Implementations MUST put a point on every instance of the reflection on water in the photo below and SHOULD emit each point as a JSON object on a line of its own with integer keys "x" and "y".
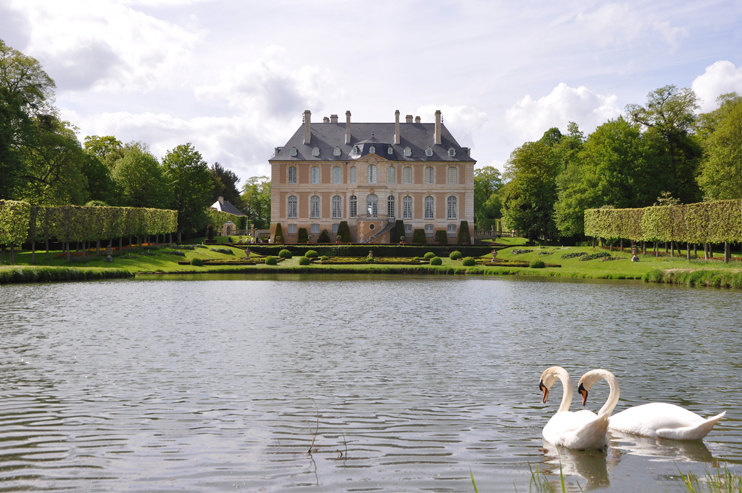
{"x": 395, "y": 383}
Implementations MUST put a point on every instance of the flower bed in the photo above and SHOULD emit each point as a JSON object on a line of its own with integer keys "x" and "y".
{"x": 377, "y": 260}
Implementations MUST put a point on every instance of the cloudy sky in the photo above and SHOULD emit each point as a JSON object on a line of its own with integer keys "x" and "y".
{"x": 234, "y": 76}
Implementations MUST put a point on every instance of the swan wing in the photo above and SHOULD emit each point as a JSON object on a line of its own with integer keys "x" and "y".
{"x": 577, "y": 430}
{"x": 659, "y": 419}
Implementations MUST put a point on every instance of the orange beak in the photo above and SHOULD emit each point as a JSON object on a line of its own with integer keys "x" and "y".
{"x": 545, "y": 390}
{"x": 583, "y": 393}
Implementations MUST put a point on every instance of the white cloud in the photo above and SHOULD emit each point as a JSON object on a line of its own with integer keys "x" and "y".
{"x": 462, "y": 121}
{"x": 530, "y": 118}
{"x": 105, "y": 45}
{"x": 614, "y": 24}
{"x": 719, "y": 78}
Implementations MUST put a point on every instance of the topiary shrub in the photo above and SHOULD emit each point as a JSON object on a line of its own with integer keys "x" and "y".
{"x": 210, "y": 232}
{"x": 197, "y": 262}
{"x": 269, "y": 260}
{"x": 537, "y": 264}
{"x": 418, "y": 236}
{"x": 278, "y": 235}
{"x": 464, "y": 237}
{"x": 468, "y": 262}
{"x": 370, "y": 260}
{"x": 455, "y": 255}
{"x": 324, "y": 257}
{"x": 285, "y": 253}
{"x": 304, "y": 261}
{"x": 429, "y": 255}
{"x": 344, "y": 232}
{"x": 311, "y": 254}
{"x": 436, "y": 261}
{"x": 441, "y": 237}
{"x": 303, "y": 237}
{"x": 324, "y": 237}
{"x": 397, "y": 232}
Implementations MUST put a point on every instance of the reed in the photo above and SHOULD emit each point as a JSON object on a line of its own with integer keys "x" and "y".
{"x": 721, "y": 481}
{"x": 23, "y": 274}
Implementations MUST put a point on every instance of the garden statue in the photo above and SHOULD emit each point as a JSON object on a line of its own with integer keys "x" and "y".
{"x": 370, "y": 254}
{"x": 634, "y": 258}
{"x": 247, "y": 253}
{"x": 109, "y": 254}
{"x": 494, "y": 255}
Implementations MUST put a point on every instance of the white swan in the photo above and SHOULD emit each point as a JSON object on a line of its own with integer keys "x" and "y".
{"x": 656, "y": 419}
{"x": 581, "y": 430}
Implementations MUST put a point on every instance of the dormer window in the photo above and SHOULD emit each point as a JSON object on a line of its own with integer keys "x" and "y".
{"x": 293, "y": 152}
{"x": 372, "y": 149}
{"x": 407, "y": 152}
{"x": 336, "y": 151}
{"x": 429, "y": 151}
{"x": 390, "y": 150}
{"x": 451, "y": 152}
{"x": 356, "y": 150}
{"x": 315, "y": 152}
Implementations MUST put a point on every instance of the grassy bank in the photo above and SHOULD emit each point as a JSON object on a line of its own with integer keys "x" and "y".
{"x": 161, "y": 259}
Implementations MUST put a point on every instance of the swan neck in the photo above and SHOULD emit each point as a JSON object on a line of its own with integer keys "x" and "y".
{"x": 568, "y": 391}
{"x": 610, "y": 404}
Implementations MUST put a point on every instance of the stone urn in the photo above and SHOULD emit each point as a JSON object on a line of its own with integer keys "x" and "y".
{"x": 109, "y": 254}
{"x": 401, "y": 240}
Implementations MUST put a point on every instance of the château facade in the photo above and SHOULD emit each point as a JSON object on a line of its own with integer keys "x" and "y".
{"x": 371, "y": 174}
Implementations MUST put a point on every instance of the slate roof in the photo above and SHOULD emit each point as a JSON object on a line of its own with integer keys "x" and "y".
{"x": 226, "y": 206}
{"x": 416, "y": 136}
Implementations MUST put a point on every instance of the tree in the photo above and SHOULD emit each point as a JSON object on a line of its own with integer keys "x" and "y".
{"x": 720, "y": 174}
{"x": 487, "y": 204}
{"x": 101, "y": 186}
{"x": 256, "y": 197}
{"x": 15, "y": 128}
{"x": 225, "y": 185}
{"x": 529, "y": 207}
{"x": 191, "y": 186}
{"x": 668, "y": 119}
{"x": 23, "y": 76}
{"x": 107, "y": 148}
{"x": 140, "y": 179}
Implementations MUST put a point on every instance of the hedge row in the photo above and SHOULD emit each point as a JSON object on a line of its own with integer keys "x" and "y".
{"x": 219, "y": 218}
{"x": 20, "y": 221}
{"x": 704, "y": 222}
{"x": 378, "y": 250}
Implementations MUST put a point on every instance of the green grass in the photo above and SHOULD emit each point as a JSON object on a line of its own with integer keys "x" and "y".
{"x": 721, "y": 481}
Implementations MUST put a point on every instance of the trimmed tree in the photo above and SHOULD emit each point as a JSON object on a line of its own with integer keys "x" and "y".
{"x": 418, "y": 236}
{"x": 278, "y": 235}
{"x": 344, "y": 232}
{"x": 441, "y": 237}
{"x": 303, "y": 237}
{"x": 464, "y": 236}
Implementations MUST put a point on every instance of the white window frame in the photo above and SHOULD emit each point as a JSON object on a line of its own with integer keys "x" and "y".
{"x": 315, "y": 152}
{"x": 451, "y": 152}
{"x": 407, "y": 207}
{"x": 337, "y": 207}
{"x": 353, "y": 175}
{"x": 292, "y": 175}
{"x": 429, "y": 151}
{"x": 315, "y": 175}
{"x": 314, "y": 207}
{"x": 391, "y": 175}
{"x": 372, "y": 205}
{"x": 314, "y": 229}
{"x": 452, "y": 205}
{"x": 429, "y": 207}
{"x": 390, "y": 150}
{"x": 453, "y": 176}
{"x": 292, "y": 208}
{"x": 336, "y": 151}
{"x": 407, "y": 152}
{"x": 353, "y": 206}
{"x": 407, "y": 175}
{"x": 372, "y": 173}
{"x": 292, "y": 229}
{"x": 335, "y": 230}
{"x": 429, "y": 175}
{"x": 451, "y": 229}
{"x": 429, "y": 230}
{"x": 337, "y": 175}
{"x": 390, "y": 206}
{"x": 408, "y": 231}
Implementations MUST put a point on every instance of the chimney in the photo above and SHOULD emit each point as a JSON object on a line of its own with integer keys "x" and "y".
{"x": 333, "y": 118}
{"x": 396, "y": 128}
{"x": 347, "y": 127}
{"x": 325, "y": 120}
{"x": 221, "y": 199}
{"x": 417, "y": 119}
{"x": 437, "y": 127}
{"x": 408, "y": 119}
{"x": 307, "y": 127}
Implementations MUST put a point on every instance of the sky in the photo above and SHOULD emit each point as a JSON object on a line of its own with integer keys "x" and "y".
{"x": 233, "y": 77}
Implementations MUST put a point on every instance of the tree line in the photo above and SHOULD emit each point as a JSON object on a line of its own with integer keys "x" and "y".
{"x": 42, "y": 162}
{"x": 661, "y": 153}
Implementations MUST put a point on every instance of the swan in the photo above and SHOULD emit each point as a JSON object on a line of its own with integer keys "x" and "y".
{"x": 575, "y": 430}
{"x": 656, "y": 419}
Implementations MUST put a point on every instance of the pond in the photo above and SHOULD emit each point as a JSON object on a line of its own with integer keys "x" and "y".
{"x": 397, "y": 384}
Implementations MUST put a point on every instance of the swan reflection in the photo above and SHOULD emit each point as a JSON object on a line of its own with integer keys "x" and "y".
{"x": 662, "y": 448}
{"x": 591, "y": 465}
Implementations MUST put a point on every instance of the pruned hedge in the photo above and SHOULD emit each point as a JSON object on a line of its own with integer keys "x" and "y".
{"x": 378, "y": 250}
{"x": 704, "y": 222}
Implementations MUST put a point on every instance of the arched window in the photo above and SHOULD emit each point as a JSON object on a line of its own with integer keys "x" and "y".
{"x": 429, "y": 151}
{"x": 353, "y": 206}
{"x": 391, "y": 175}
{"x": 407, "y": 152}
{"x": 407, "y": 207}
{"x": 407, "y": 175}
{"x": 372, "y": 173}
{"x": 292, "y": 174}
{"x": 352, "y": 174}
{"x": 315, "y": 174}
{"x": 315, "y": 152}
{"x": 429, "y": 175}
{"x": 292, "y": 212}
{"x": 372, "y": 150}
{"x": 314, "y": 206}
{"x": 372, "y": 205}
{"x": 336, "y": 175}
{"x": 336, "y": 151}
{"x": 390, "y": 206}
{"x": 337, "y": 207}
{"x": 429, "y": 207}
{"x": 451, "y": 209}
{"x": 453, "y": 176}
{"x": 451, "y": 152}
{"x": 390, "y": 150}
{"x": 293, "y": 152}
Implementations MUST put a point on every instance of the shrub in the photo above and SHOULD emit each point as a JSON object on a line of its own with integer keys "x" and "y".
{"x": 285, "y": 253}
{"x": 175, "y": 252}
{"x": 201, "y": 246}
{"x": 417, "y": 258}
{"x": 184, "y": 247}
{"x": 304, "y": 261}
{"x": 303, "y": 237}
{"x": 574, "y": 254}
{"x": 344, "y": 232}
{"x": 418, "y": 236}
{"x": 370, "y": 260}
{"x": 210, "y": 232}
{"x": 269, "y": 260}
{"x": 537, "y": 264}
{"x": 593, "y": 256}
{"x": 278, "y": 235}
{"x": 518, "y": 251}
{"x": 197, "y": 262}
{"x": 242, "y": 222}
{"x": 397, "y": 232}
{"x": 311, "y": 254}
{"x": 225, "y": 251}
{"x": 455, "y": 255}
{"x": 436, "y": 261}
{"x": 324, "y": 257}
{"x": 468, "y": 262}
{"x": 324, "y": 237}
{"x": 463, "y": 236}
{"x": 429, "y": 255}
{"x": 441, "y": 237}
